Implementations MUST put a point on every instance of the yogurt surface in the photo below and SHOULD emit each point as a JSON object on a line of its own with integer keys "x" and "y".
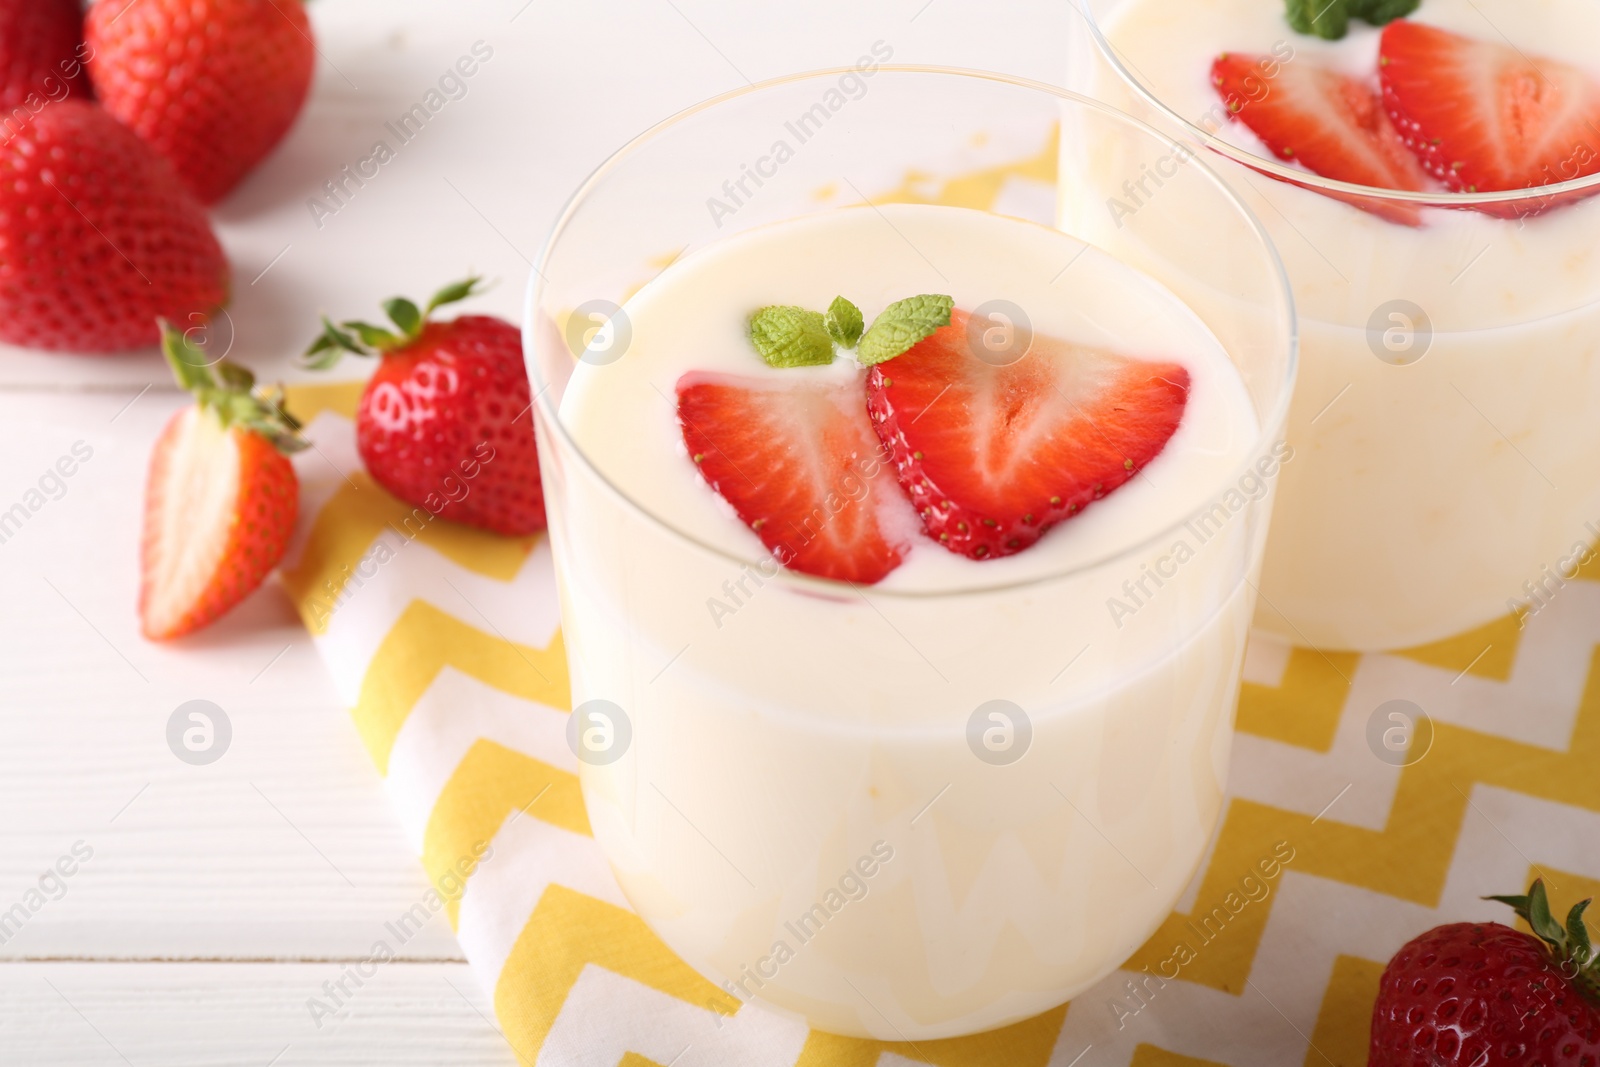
{"x": 694, "y": 317}
{"x": 1447, "y": 413}
{"x": 1023, "y": 780}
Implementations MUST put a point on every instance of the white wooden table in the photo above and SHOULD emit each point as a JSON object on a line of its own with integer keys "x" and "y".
{"x": 218, "y": 899}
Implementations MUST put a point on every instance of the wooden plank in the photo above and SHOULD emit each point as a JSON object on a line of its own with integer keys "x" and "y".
{"x": 284, "y": 847}
{"x": 478, "y": 189}
{"x": 475, "y": 189}
{"x": 243, "y": 1015}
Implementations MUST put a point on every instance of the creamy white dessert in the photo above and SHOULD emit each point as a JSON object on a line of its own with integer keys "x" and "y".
{"x": 955, "y": 798}
{"x": 1446, "y": 424}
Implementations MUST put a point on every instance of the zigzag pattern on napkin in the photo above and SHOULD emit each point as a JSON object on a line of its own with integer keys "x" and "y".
{"x": 567, "y": 930}
{"x": 464, "y": 722}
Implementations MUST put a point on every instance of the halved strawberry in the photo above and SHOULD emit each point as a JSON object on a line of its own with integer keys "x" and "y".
{"x": 800, "y": 465}
{"x": 993, "y": 456}
{"x": 222, "y": 496}
{"x": 1484, "y": 117}
{"x": 1331, "y": 123}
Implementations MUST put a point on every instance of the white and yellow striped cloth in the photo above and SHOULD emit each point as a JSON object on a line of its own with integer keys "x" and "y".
{"x": 446, "y": 644}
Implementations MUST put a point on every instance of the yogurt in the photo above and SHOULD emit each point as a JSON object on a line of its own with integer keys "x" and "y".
{"x": 949, "y": 801}
{"x": 1447, "y": 418}
{"x": 694, "y": 317}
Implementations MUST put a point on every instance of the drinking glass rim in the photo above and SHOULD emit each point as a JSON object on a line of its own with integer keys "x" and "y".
{"x": 1305, "y": 178}
{"x": 532, "y": 340}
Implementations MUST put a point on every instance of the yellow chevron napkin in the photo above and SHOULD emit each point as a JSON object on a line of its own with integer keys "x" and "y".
{"x": 1333, "y": 850}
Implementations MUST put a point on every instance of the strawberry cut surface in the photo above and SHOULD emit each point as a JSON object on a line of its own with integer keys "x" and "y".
{"x": 994, "y": 456}
{"x": 1485, "y": 117}
{"x": 799, "y": 463}
{"x": 220, "y": 507}
{"x": 1329, "y": 122}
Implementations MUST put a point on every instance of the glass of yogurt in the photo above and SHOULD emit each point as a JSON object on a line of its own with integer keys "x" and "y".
{"x": 1439, "y": 227}
{"x": 906, "y": 551}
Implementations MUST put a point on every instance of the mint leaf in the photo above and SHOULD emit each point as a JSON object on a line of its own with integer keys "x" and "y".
{"x": 902, "y": 324}
{"x": 791, "y": 337}
{"x": 1330, "y": 19}
{"x": 844, "y": 322}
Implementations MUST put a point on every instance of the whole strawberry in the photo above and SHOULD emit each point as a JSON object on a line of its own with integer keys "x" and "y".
{"x": 1485, "y": 995}
{"x": 213, "y": 84}
{"x": 446, "y": 423}
{"x": 41, "y": 54}
{"x": 97, "y": 237}
{"x": 222, "y": 497}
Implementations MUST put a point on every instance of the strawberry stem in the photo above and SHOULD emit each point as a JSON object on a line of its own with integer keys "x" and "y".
{"x": 231, "y": 393}
{"x": 1569, "y": 944}
{"x": 359, "y": 338}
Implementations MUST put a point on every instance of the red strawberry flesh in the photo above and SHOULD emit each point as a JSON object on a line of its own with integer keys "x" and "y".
{"x": 220, "y": 507}
{"x": 1329, "y": 122}
{"x": 1483, "y": 116}
{"x": 799, "y": 463}
{"x": 994, "y": 456}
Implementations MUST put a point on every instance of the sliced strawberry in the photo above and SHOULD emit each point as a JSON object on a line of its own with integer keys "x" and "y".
{"x": 1333, "y": 124}
{"x": 1484, "y": 117}
{"x": 993, "y": 456}
{"x": 800, "y": 465}
{"x": 221, "y": 501}
{"x": 219, "y": 510}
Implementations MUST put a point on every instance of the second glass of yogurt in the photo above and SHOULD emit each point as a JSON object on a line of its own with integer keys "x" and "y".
{"x": 856, "y": 748}
{"x": 1446, "y": 425}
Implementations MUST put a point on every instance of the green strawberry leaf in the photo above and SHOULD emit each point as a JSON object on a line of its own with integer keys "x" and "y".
{"x": 190, "y": 365}
{"x": 375, "y": 337}
{"x": 231, "y": 393}
{"x": 903, "y": 324}
{"x": 236, "y": 377}
{"x": 791, "y": 337}
{"x": 1534, "y": 909}
{"x": 454, "y": 294}
{"x": 1517, "y": 904}
{"x": 1544, "y": 924}
{"x": 330, "y": 346}
{"x": 364, "y": 339}
{"x": 1578, "y": 934}
{"x": 844, "y": 322}
{"x": 404, "y": 314}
